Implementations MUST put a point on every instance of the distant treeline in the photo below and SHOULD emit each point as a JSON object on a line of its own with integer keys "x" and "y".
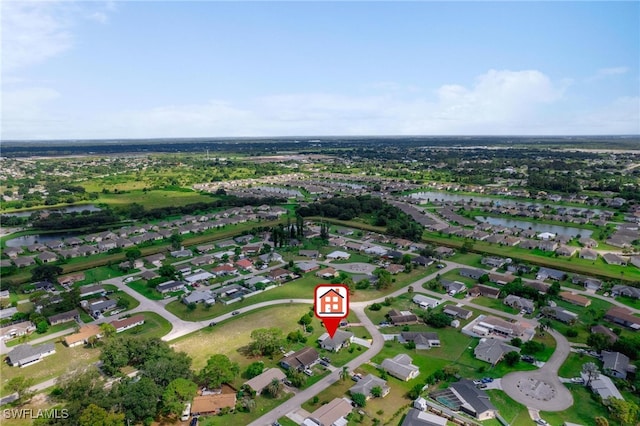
{"x": 268, "y": 146}
{"x": 397, "y": 222}
{"x": 94, "y": 220}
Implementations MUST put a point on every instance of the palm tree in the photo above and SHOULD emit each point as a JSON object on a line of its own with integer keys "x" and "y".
{"x": 274, "y": 387}
{"x": 344, "y": 373}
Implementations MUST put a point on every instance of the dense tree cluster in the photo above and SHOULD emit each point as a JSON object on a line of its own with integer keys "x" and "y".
{"x": 397, "y": 222}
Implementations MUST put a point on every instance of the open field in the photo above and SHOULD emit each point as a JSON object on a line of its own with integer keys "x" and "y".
{"x": 154, "y": 198}
{"x": 154, "y": 326}
{"x": 65, "y": 359}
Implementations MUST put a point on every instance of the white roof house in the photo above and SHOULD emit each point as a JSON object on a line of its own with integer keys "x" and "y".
{"x": 338, "y": 255}
{"x": 425, "y": 302}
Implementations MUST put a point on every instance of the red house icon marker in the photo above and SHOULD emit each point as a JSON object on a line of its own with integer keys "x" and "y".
{"x": 332, "y": 302}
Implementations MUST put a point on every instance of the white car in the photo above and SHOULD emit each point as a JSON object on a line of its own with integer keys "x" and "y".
{"x": 128, "y": 279}
{"x": 541, "y": 422}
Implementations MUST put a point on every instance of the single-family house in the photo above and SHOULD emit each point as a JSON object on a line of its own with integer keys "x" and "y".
{"x": 245, "y": 265}
{"x": 224, "y": 270}
{"x": 493, "y": 262}
{"x": 332, "y": 414}
{"x": 68, "y": 316}
{"x": 400, "y": 367}
{"x": 149, "y": 275}
{"x": 367, "y": 383}
{"x": 395, "y": 268}
{"x": 24, "y": 355}
{"x": 83, "y": 335}
{"x": 623, "y": 316}
{"x": 474, "y": 274}
{"x": 457, "y": 312}
{"x": 127, "y": 323}
{"x": 300, "y": 360}
{"x": 425, "y": 301}
{"x": 566, "y": 251}
{"x": 270, "y": 257}
{"x": 601, "y": 329}
{"x": 280, "y": 274}
{"x": 485, "y": 290}
{"x": 588, "y": 254}
{"x": 422, "y": 261}
{"x": 564, "y": 315}
{"x": 445, "y": 251}
{"x": 614, "y": 259}
{"x": 553, "y": 274}
{"x": 501, "y": 279}
{"x": 615, "y": 364}
{"x": 311, "y": 254}
{"x": 170, "y": 286}
{"x": 518, "y": 302}
{"x": 307, "y": 266}
{"x": 574, "y": 299}
{"x": 493, "y": 350}
{"x": 422, "y": 339}
{"x": 327, "y": 273}
{"x": 24, "y": 261}
{"x": 259, "y": 383}
{"x": 589, "y": 283}
{"x": 453, "y": 287}
{"x": 402, "y": 317}
{"x": 90, "y": 290}
{"x": 213, "y": 403}
{"x": 625, "y": 290}
{"x": 47, "y": 257}
{"x": 16, "y": 330}
{"x": 338, "y": 255}
{"x": 416, "y": 417}
{"x": 340, "y": 339}
{"x": 155, "y": 259}
{"x": 468, "y": 399}
{"x": 198, "y": 296}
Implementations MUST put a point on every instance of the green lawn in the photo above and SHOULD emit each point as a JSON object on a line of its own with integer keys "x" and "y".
{"x": 573, "y": 365}
{"x": 154, "y": 326}
{"x": 286, "y": 421}
{"x": 495, "y": 304}
{"x": 634, "y": 303}
{"x": 141, "y": 287}
{"x": 585, "y": 408}
{"x": 513, "y": 412}
{"x": 470, "y": 259}
{"x": 154, "y": 199}
{"x": 453, "y": 275}
{"x": 64, "y": 360}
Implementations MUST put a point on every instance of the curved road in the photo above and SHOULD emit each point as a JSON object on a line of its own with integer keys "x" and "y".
{"x": 516, "y": 384}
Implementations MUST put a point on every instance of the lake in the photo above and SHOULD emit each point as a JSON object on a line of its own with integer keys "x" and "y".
{"x": 538, "y": 227}
{"x": 70, "y": 209}
{"x": 447, "y": 196}
{"x": 41, "y": 238}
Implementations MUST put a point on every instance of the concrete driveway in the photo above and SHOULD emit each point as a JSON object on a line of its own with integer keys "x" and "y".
{"x": 541, "y": 389}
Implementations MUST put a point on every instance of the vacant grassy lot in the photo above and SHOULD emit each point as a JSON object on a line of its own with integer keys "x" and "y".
{"x": 65, "y": 359}
{"x": 585, "y": 408}
{"x": 141, "y": 287}
{"x": 231, "y": 335}
{"x": 154, "y": 198}
{"x": 154, "y": 326}
{"x": 513, "y": 412}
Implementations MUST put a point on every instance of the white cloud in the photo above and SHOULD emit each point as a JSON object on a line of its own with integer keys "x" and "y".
{"x": 613, "y": 71}
{"x": 498, "y": 102}
{"x": 33, "y": 32}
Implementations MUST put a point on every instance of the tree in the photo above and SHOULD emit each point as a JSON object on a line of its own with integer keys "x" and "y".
{"x": 139, "y": 399}
{"x": 415, "y": 391}
{"x": 438, "y": 320}
{"x": 266, "y": 341}
{"x": 626, "y": 412}
{"x": 511, "y": 358}
{"x": 344, "y": 373}
{"x": 92, "y": 341}
{"x": 273, "y": 388}
{"x": 516, "y": 341}
{"x": 467, "y": 246}
{"x": 359, "y": 399}
{"x": 107, "y": 330}
{"x": 376, "y": 391}
{"x": 410, "y": 289}
{"x": 42, "y": 327}
{"x": 219, "y": 370}
{"x": 599, "y": 341}
{"x": 384, "y": 279}
{"x": 176, "y": 394}
{"x": 254, "y": 369}
{"x": 21, "y": 385}
{"x": 304, "y": 321}
{"x": 168, "y": 271}
{"x": 98, "y": 416}
{"x": 591, "y": 370}
{"x": 176, "y": 241}
{"x": 168, "y": 367}
{"x": 132, "y": 254}
{"x": 297, "y": 378}
{"x": 46, "y": 273}
{"x": 532, "y": 347}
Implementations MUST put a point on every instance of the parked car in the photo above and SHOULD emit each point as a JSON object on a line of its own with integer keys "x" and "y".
{"x": 212, "y": 323}
{"x": 578, "y": 380}
{"x": 324, "y": 363}
{"x": 528, "y": 358}
{"x": 308, "y": 372}
{"x": 324, "y": 358}
{"x": 477, "y": 382}
{"x": 194, "y": 422}
{"x": 235, "y": 312}
{"x": 128, "y": 279}
{"x": 487, "y": 380}
{"x": 541, "y": 422}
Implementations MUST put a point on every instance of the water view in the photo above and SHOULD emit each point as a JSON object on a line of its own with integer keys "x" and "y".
{"x": 41, "y": 238}
{"x": 538, "y": 227}
{"x": 70, "y": 209}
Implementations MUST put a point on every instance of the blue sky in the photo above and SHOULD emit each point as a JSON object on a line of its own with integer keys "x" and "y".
{"x": 213, "y": 69}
